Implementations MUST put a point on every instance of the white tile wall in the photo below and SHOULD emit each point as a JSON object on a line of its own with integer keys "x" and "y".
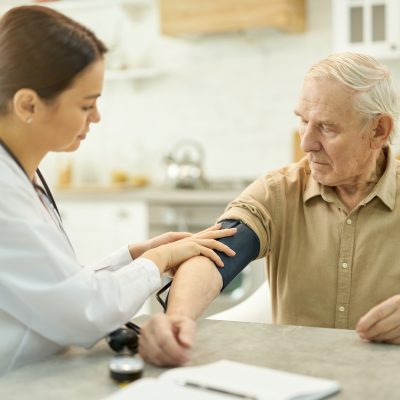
{"x": 234, "y": 93}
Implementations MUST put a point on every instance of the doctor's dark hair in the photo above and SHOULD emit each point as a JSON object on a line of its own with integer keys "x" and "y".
{"x": 43, "y": 50}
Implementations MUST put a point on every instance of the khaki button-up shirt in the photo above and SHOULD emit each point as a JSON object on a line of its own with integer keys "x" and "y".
{"x": 326, "y": 267}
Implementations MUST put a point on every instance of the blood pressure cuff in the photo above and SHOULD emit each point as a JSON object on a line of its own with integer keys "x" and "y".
{"x": 246, "y": 245}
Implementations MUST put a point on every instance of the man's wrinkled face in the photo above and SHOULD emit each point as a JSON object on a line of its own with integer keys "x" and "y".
{"x": 334, "y": 136}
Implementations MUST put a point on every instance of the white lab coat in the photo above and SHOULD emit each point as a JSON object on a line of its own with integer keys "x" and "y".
{"x": 47, "y": 299}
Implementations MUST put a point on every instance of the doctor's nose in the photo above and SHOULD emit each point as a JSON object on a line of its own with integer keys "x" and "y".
{"x": 95, "y": 116}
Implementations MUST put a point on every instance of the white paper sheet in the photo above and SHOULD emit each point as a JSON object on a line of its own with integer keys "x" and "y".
{"x": 242, "y": 380}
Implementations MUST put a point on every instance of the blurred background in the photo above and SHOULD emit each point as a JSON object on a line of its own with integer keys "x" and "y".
{"x": 198, "y": 101}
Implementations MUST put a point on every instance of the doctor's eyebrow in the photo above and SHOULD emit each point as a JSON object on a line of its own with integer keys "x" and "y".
{"x": 93, "y": 96}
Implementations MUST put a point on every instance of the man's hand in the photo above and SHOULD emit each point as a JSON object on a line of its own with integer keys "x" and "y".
{"x": 382, "y": 323}
{"x": 166, "y": 340}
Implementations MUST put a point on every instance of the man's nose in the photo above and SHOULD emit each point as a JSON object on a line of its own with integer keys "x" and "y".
{"x": 309, "y": 139}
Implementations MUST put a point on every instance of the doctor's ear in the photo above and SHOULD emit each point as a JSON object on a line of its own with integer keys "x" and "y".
{"x": 24, "y": 103}
{"x": 382, "y": 128}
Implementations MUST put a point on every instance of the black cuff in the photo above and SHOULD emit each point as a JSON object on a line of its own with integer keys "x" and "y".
{"x": 246, "y": 245}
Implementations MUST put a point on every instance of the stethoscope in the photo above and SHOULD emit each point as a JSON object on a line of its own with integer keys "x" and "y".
{"x": 124, "y": 341}
{"x": 45, "y": 190}
{"x": 123, "y": 367}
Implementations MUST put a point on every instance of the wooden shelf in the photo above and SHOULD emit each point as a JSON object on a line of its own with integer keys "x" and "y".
{"x": 82, "y": 4}
{"x": 207, "y": 16}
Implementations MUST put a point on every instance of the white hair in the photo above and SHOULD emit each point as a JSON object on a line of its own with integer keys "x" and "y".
{"x": 370, "y": 80}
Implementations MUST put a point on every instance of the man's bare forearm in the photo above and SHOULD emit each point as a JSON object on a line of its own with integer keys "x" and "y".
{"x": 195, "y": 285}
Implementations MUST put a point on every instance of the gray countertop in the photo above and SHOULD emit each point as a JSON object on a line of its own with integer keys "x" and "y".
{"x": 364, "y": 370}
{"x": 152, "y": 194}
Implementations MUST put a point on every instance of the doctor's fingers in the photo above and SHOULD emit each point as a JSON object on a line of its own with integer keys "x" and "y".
{"x": 174, "y": 236}
{"x": 215, "y": 234}
{"x": 211, "y": 254}
{"x": 215, "y": 245}
{"x": 168, "y": 237}
{"x": 195, "y": 247}
{"x": 214, "y": 227}
{"x": 377, "y": 314}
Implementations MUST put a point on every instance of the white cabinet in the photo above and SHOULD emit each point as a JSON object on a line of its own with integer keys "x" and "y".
{"x": 367, "y": 26}
{"x": 98, "y": 228}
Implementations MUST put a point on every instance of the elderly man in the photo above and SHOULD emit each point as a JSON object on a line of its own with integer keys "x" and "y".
{"x": 328, "y": 226}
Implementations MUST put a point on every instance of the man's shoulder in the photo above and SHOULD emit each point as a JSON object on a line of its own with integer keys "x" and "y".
{"x": 295, "y": 174}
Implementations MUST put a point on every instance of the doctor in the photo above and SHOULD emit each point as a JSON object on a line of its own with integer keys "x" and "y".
{"x": 51, "y": 74}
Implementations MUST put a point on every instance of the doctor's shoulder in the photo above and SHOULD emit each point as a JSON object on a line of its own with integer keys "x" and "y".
{"x": 17, "y": 195}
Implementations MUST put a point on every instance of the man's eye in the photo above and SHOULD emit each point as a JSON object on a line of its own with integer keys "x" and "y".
{"x": 87, "y": 108}
{"x": 329, "y": 130}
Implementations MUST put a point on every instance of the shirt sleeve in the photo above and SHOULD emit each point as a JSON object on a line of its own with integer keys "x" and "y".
{"x": 255, "y": 207}
{"x": 43, "y": 285}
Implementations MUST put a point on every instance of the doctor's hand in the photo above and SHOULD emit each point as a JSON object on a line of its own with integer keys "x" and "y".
{"x": 381, "y": 323}
{"x": 137, "y": 249}
{"x": 166, "y": 340}
{"x": 166, "y": 238}
{"x": 169, "y": 257}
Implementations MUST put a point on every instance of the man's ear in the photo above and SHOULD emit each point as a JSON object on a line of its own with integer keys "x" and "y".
{"x": 24, "y": 104}
{"x": 383, "y": 127}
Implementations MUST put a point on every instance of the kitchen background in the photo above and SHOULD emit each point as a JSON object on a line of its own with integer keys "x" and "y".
{"x": 232, "y": 92}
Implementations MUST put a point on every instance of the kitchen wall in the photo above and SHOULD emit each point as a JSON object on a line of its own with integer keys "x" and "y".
{"x": 234, "y": 93}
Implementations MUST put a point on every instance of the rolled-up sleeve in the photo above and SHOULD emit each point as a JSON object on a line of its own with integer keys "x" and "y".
{"x": 254, "y": 207}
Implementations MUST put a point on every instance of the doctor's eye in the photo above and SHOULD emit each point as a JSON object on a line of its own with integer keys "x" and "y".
{"x": 87, "y": 108}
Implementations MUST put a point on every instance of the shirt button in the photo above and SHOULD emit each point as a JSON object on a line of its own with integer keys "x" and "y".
{"x": 345, "y": 265}
{"x": 341, "y": 308}
{"x": 349, "y": 221}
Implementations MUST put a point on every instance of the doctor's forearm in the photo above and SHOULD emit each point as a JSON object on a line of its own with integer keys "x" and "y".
{"x": 195, "y": 285}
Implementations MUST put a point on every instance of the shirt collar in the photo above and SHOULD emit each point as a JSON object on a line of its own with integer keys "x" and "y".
{"x": 385, "y": 189}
